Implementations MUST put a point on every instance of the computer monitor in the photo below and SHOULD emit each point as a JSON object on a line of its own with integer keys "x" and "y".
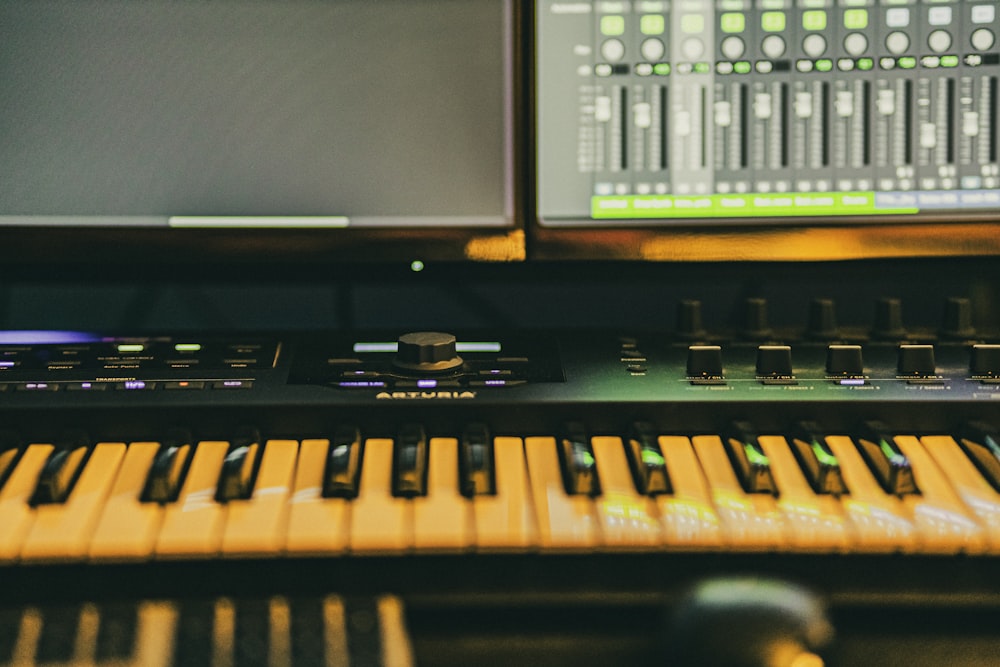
{"x": 766, "y": 129}
{"x": 264, "y": 131}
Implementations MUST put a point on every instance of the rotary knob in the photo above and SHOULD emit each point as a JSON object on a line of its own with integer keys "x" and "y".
{"x": 427, "y": 352}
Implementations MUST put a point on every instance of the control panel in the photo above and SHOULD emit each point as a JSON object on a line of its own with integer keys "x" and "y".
{"x": 702, "y": 110}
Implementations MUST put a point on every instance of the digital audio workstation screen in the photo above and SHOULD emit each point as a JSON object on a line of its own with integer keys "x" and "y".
{"x": 702, "y": 110}
{"x": 255, "y": 113}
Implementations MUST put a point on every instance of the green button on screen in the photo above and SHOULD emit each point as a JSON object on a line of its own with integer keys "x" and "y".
{"x": 652, "y": 24}
{"x": 814, "y": 20}
{"x": 613, "y": 25}
{"x": 856, "y": 19}
{"x": 772, "y": 21}
{"x": 733, "y": 22}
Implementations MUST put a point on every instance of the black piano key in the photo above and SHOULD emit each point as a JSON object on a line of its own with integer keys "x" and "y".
{"x": 343, "y": 464}
{"x": 239, "y": 469}
{"x": 251, "y": 633}
{"x": 10, "y": 451}
{"x": 57, "y": 641}
{"x": 576, "y": 458}
{"x": 116, "y": 633}
{"x": 889, "y": 465}
{"x": 308, "y": 632}
{"x": 10, "y": 628}
{"x": 981, "y": 443}
{"x": 477, "y": 475}
{"x": 170, "y": 465}
{"x": 752, "y": 466}
{"x": 645, "y": 459}
{"x": 817, "y": 460}
{"x": 409, "y": 462}
{"x": 194, "y": 641}
{"x": 63, "y": 468}
{"x": 364, "y": 636}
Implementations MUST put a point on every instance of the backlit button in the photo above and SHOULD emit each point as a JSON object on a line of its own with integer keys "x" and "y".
{"x": 814, "y": 45}
{"x": 233, "y": 384}
{"x": 939, "y": 41}
{"x": 897, "y": 17}
{"x": 184, "y": 385}
{"x": 939, "y": 15}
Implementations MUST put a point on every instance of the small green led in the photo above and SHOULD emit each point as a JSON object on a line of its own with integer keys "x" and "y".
{"x": 814, "y": 19}
{"x": 908, "y": 62}
{"x": 856, "y": 19}
{"x": 824, "y": 457}
{"x": 652, "y": 458}
{"x": 702, "y": 68}
{"x": 772, "y": 21}
{"x": 131, "y": 347}
{"x": 652, "y": 24}
{"x": 865, "y": 64}
{"x": 612, "y": 26}
{"x": 949, "y": 61}
{"x": 755, "y": 457}
{"x": 733, "y": 22}
{"x": 187, "y": 347}
{"x": 824, "y": 65}
{"x": 661, "y": 69}
{"x": 692, "y": 24}
{"x": 742, "y": 67}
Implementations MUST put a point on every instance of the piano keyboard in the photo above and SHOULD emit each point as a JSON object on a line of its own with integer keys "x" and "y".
{"x": 330, "y": 631}
{"x": 874, "y": 491}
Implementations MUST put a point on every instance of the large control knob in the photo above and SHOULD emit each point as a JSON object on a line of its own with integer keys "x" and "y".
{"x": 427, "y": 352}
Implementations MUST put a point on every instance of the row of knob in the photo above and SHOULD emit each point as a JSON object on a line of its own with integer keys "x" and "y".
{"x": 775, "y": 361}
{"x": 822, "y": 324}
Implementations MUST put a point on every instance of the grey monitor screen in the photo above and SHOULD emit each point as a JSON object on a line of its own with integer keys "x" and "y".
{"x": 328, "y": 114}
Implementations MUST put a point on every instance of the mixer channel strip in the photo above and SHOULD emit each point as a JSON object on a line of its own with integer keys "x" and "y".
{"x": 870, "y": 491}
{"x": 330, "y": 631}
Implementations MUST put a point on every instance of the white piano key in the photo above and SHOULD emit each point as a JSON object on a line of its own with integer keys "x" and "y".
{"x": 257, "y": 526}
{"x": 17, "y": 514}
{"x": 380, "y": 522}
{"x": 442, "y": 520}
{"x": 62, "y": 531}
{"x": 628, "y": 519}
{"x": 751, "y": 521}
{"x": 565, "y": 522}
{"x": 689, "y": 518}
{"x": 505, "y": 521}
{"x": 316, "y": 525}
{"x": 128, "y": 527}
{"x": 192, "y": 526}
